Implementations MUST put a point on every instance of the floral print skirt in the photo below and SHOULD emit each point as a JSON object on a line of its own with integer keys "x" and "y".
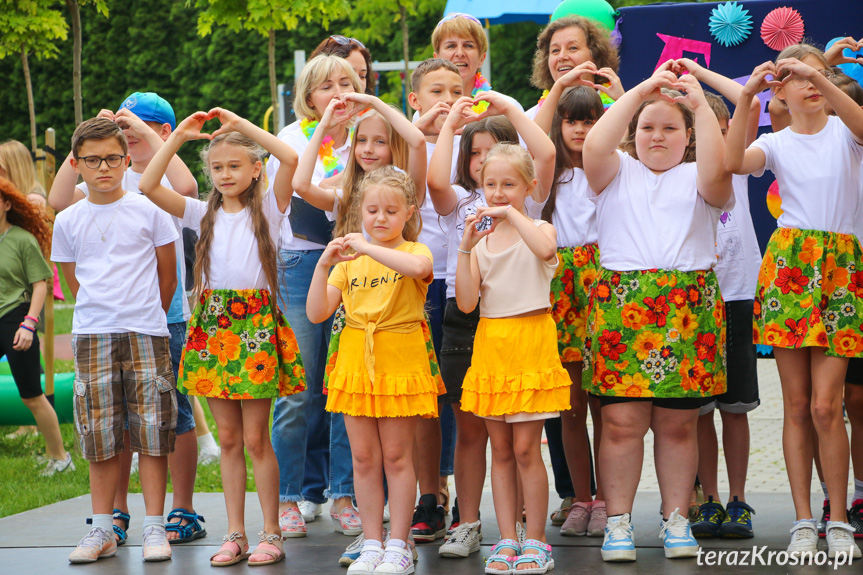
{"x": 240, "y": 346}
{"x": 577, "y": 270}
{"x": 810, "y": 292}
{"x": 657, "y": 333}
{"x": 336, "y": 334}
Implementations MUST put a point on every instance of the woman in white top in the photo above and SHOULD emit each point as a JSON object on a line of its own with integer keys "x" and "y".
{"x": 657, "y": 318}
{"x": 809, "y": 303}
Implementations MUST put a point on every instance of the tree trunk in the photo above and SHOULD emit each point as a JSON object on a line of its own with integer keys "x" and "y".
{"x": 274, "y": 96}
{"x": 405, "y": 52}
{"x": 75, "y": 13}
{"x": 30, "y": 106}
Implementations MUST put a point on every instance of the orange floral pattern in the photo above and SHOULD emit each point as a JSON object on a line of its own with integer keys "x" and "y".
{"x": 239, "y": 346}
{"x": 660, "y": 334}
{"x": 577, "y": 271}
{"x": 810, "y": 292}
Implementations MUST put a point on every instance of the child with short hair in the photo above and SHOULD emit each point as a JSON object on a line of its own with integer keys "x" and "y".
{"x": 147, "y": 120}
{"x": 117, "y": 254}
{"x": 382, "y": 381}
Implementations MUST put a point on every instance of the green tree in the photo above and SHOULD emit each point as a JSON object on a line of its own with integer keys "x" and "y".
{"x": 266, "y": 17}
{"x": 30, "y": 26}
{"x": 74, "y": 7}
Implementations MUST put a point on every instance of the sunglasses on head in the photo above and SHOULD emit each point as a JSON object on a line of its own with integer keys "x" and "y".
{"x": 453, "y": 15}
{"x": 345, "y": 41}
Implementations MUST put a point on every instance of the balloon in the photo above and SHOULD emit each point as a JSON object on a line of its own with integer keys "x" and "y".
{"x": 599, "y": 11}
{"x": 853, "y": 70}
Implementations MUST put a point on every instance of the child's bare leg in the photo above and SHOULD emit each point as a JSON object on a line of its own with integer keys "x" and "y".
{"x": 427, "y": 448}
{"x": 124, "y": 471}
{"x": 256, "y": 437}
{"x": 103, "y": 482}
{"x": 621, "y": 453}
{"x": 46, "y": 422}
{"x": 469, "y": 466}
{"x": 526, "y": 437}
{"x": 828, "y": 382}
{"x": 153, "y": 471}
{"x": 675, "y": 451}
{"x": 708, "y": 455}
{"x": 398, "y": 463}
{"x": 229, "y": 421}
{"x": 854, "y": 409}
{"x": 503, "y": 482}
{"x": 367, "y": 458}
{"x": 794, "y": 374}
{"x": 735, "y": 442}
{"x": 596, "y": 417}
{"x": 574, "y": 434}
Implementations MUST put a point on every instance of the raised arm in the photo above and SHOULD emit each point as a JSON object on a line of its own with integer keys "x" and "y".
{"x": 286, "y": 155}
{"x": 574, "y": 77}
{"x": 150, "y": 184}
{"x": 442, "y": 194}
{"x": 323, "y": 198}
{"x": 467, "y": 277}
{"x": 409, "y": 265}
{"x": 740, "y": 159}
{"x": 538, "y": 143}
{"x": 323, "y": 299}
{"x": 542, "y": 240}
{"x": 64, "y": 191}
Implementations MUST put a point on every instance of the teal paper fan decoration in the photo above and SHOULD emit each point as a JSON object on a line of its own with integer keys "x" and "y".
{"x": 730, "y": 24}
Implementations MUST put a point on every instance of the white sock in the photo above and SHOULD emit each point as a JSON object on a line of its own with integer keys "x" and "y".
{"x": 858, "y": 489}
{"x": 105, "y": 521}
{"x": 154, "y": 520}
{"x": 373, "y": 542}
{"x": 397, "y": 543}
{"x": 207, "y": 441}
{"x": 824, "y": 489}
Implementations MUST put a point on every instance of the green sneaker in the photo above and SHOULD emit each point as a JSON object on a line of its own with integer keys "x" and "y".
{"x": 738, "y": 521}
{"x": 709, "y": 520}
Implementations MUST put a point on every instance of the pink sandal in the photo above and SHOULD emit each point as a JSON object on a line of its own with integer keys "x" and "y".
{"x": 234, "y": 540}
{"x": 271, "y": 545}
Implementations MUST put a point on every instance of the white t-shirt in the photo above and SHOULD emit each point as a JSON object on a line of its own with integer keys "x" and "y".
{"x": 234, "y": 260}
{"x": 119, "y": 283}
{"x": 454, "y": 221}
{"x": 293, "y": 136}
{"x": 859, "y": 219}
{"x": 434, "y": 232}
{"x": 179, "y": 310}
{"x": 531, "y": 113}
{"x": 574, "y": 215}
{"x": 818, "y": 175}
{"x": 739, "y": 257}
{"x": 646, "y": 221}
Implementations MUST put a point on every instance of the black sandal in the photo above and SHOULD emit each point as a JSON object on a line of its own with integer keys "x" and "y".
{"x": 189, "y": 532}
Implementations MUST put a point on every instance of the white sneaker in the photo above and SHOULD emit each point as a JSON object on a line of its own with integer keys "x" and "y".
{"x": 58, "y": 466}
{"x": 677, "y": 538}
{"x": 310, "y": 510}
{"x": 208, "y": 455}
{"x": 804, "y": 538}
{"x": 464, "y": 541}
{"x": 396, "y": 560}
{"x": 619, "y": 542}
{"x": 370, "y": 557}
{"x": 840, "y": 539}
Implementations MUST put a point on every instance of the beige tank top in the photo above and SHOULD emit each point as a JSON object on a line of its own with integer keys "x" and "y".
{"x": 514, "y": 281}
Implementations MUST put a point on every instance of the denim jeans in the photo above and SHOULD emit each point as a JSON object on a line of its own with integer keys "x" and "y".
{"x": 185, "y": 415}
{"x": 311, "y": 446}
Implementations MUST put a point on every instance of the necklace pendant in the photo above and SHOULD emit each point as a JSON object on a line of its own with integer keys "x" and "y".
{"x": 103, "y": 237}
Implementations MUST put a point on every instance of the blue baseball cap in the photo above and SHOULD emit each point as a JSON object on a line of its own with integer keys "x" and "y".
{"x": 150, "y": 107}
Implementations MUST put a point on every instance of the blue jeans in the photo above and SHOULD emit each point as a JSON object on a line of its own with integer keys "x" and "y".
{"x": 435, "y": 305}
{"x": 185, "y": 415}
{"x": 311, "y": 445}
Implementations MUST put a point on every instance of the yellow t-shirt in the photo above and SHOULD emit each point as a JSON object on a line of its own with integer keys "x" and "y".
{"x": 374, "y": 293}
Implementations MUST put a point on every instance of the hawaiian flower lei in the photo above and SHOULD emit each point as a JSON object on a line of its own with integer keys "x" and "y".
{"x": 480, "y": 84}
{"x": 326, "y": 153}
{"x": 607, "y": 101}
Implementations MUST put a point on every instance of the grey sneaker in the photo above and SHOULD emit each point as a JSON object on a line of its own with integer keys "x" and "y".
{"x": 577, "y": 520}
{"x": 98, "y": 543}
{"x": 54, "y": 466}
{"x": 804, "y": 538}
{"x": 464, "y": 541}
{"x": 155, "y": 546}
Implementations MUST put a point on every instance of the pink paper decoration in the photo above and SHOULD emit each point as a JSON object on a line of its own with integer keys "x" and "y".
{"x": 781, "y": 28}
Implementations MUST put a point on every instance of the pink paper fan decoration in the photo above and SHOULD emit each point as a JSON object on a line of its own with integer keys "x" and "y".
{"x": 781, "y": 28}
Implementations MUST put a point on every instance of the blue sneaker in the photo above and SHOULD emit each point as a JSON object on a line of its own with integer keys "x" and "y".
{"x": 619, "y": 542}
{"x": 738, "y": 521}
{"x": 711, "y": 516}
{"x": 677, "y": 537}
{"x": 353, "y": 551}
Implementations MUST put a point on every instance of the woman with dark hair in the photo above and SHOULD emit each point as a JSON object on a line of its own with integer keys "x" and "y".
{"x": 354, "y": 52}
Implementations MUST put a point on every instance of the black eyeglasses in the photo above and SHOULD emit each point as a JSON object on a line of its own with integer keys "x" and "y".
{"x": 344, "y": 41}
{"x": 95, "y": 162}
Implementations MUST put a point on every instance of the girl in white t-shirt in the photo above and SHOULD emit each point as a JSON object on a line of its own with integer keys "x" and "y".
{"x": 809, "y": 303}
{"x": 239, "y": 346}
{"x": 515, "y": 381}
{"x": 455, "y": 202}
{"x": 571, "y": 209}
{"x": 657, "y": 337}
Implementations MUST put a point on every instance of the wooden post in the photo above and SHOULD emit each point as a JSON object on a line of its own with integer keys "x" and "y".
{"x": 45, "y": 168}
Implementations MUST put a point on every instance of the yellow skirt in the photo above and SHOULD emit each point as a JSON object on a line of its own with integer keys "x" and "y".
{"x": 403, "y": 386}
{"x": 515, "y": 368}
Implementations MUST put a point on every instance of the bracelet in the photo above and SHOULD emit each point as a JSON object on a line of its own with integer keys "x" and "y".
{"x": 27, "y": 327}
{"x": 35, "y": 320}
{"x": 506, "y": 211}
{"x": 461, "y": 251}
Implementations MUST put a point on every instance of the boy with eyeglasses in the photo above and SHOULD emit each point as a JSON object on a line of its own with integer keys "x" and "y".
{"x": 147, "y": 120}
{"x": 116, "y": 251}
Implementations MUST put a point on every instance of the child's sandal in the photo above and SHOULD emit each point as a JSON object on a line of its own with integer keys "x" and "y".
{"x": 498, "y": 557}
{"x": 231, "y": 541}
{"x": 542, "y": 558}
{"x": 271, "y": 545}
